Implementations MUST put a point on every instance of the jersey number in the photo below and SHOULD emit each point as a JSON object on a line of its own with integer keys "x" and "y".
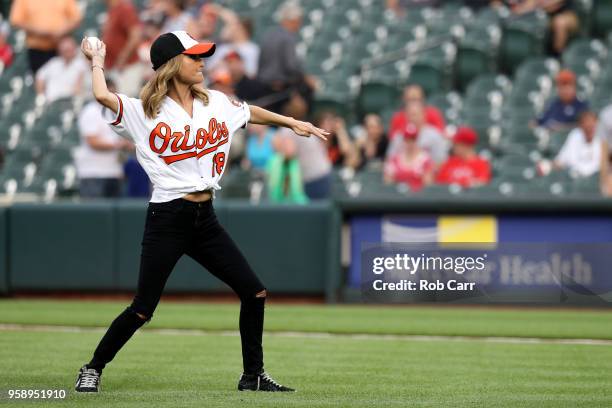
{"x": 218, "y": 162}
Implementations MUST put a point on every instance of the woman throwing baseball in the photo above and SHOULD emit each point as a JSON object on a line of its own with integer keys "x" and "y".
{"x": 182, "y": 133}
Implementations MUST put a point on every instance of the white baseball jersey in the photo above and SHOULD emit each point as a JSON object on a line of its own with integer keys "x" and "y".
{"x": 181, "y": 153}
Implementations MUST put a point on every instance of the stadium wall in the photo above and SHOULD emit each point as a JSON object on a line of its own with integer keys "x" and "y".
{"x": 294, "y": 249}
{"x": 96, "y": 247}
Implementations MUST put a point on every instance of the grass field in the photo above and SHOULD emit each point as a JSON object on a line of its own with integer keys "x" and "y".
{"x": 199, "y": 365}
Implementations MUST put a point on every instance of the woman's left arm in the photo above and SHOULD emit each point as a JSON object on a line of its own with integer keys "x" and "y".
{"x": 262, "y": 116}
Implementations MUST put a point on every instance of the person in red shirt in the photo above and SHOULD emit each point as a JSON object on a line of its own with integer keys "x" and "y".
{"x": 412, "y": 165}
{"x": 399, "y": 120}
{"x": 122, "y": 34}
{"x": 464, "y": 167}
{"x": 6, "y": 52}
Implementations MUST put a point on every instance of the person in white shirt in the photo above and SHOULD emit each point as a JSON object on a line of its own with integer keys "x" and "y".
{"x": 581, "y": 152}
{"x": 237, "y": 35}
{"x": 97, "y": 159}
{"x": 182, "y": 133}
{"x": 62, "y": 76}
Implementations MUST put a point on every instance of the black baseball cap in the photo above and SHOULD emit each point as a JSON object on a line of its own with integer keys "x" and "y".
{"x": 169, "y": 45}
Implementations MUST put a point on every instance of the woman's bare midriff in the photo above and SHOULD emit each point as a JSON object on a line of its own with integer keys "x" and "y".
{"x": 198, "y": 196}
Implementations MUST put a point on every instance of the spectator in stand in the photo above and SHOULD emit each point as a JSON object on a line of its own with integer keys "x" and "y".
{"x": 315, "y": 166}
{"x": 373, "y": 143}
{"x": 221, "y": 80}
{"x": 464, "y": 167}
{"x": 429, "y": 138}
{"x": 45, "y": 23}
{"x": 177, "y": 19}
{"x": 122, "y": 34}
{"x": 563, "y": 18}
{"x": 414, "y": 94}
{"x": 581, "y": 152}
{"x": 412, "y": 165}
{"x": 284, "y": 175}
{"x": 563, "y": 112}
{"x": 62, "y": 76}
{"x": 97, "y": 158}
{"x": 280, "y": 69}
{"x": 236, "y": 38}
{"x": 341, "y": 150}
{"x": 246, "y": 88}
{"x": 6, "y": 52}
{"x": 206, "y": 24}
{"x": 259, "y": 148}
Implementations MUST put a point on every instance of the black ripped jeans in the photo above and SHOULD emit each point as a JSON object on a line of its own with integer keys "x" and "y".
{"x": 182, "y": 227}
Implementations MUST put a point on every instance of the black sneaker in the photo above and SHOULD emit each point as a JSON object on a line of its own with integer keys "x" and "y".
{"x": 88, "y": 380}
{"x": 261, "y": 382}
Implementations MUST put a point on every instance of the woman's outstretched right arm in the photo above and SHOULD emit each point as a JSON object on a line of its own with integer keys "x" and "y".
{"x": 96, "y": 57}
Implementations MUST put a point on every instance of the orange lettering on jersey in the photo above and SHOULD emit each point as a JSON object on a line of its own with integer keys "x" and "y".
{"x": 216, "y": 135}
{"x": 218, "y": 163}
{"x": 180, "y": 140}
{"x": 178, "y": 157}
{"x": 162, "y": 131}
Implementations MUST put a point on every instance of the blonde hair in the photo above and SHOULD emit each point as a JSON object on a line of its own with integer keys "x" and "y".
{"x": 156, "y": 88}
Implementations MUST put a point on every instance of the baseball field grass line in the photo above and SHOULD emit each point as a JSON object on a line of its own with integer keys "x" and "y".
{"x": 312, "y": 335}
{"x": 154, "y": 370}
{"x": 354, "y": 319}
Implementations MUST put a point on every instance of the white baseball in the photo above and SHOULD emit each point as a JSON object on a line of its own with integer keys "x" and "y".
{"x": 94, "y": 42}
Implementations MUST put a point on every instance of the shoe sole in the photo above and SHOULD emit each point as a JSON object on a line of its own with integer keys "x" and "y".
{"x": 243, "y": 390}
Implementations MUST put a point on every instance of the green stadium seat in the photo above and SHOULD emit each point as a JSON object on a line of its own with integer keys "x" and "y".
{"x": 534, "y": 67}
{"x": 523, "y": 37}
{"x": 518, "y": 118}
{"x": 601, "y": 18}
{"x": 586, "y": 185}
{"x": 582, "y": 49}
{"x": 479, "y": 117}
{"x": 63, "y": 174}
{"x": 484, "y": 84}
{"x": 433, "y": 68}
{"x": 473, "y": 59}
{"x": 397, "y": 42}
{"x": 430, "y": 77}
{"x": 377, "y": 97}
{"x": 588, "y": 68}
{"x": 487, "y": 15}
{"x": 16, "y": 169}
{"x": 449, "y": 104}
{"x": 319, "y": 51}
{"x": 372, "y": 15}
